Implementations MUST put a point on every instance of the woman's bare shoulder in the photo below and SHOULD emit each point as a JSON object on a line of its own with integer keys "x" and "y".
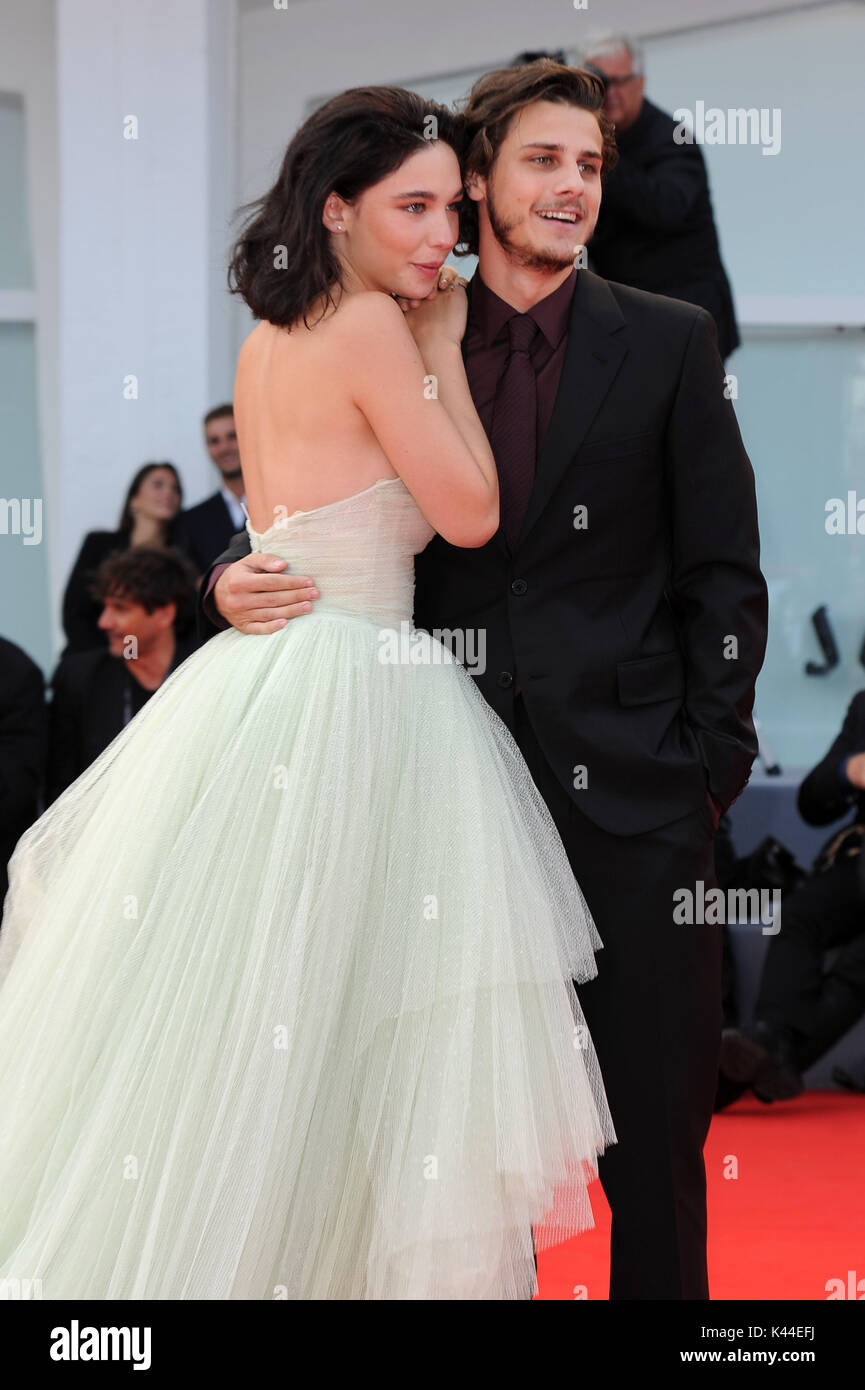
{"x": 370, "y": 308}
{"x": 252, "y": 342}
{"x": 360, "y": 316}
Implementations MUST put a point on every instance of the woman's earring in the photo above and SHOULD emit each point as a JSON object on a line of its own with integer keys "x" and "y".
{"x": 339, "y": 226}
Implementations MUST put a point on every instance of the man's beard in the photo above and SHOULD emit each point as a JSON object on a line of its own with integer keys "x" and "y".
{"x": 522, "y": 255}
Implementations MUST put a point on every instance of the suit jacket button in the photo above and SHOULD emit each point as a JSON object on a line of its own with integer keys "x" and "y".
{"x": 505, "y": 680}
{"x": 519, "y": 586}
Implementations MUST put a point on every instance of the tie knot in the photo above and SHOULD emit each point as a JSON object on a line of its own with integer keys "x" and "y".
{"x": 522, "y": 329}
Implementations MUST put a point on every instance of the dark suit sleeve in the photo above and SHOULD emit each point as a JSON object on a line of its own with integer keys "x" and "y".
{"x": 23, "y": 747}
{"x": 716, "y": 587}
{"x": 181, "y": 536}
{"x": 662, "y": 195}
{"x": 822, "y": 795}
{"x": 209, "y": 620}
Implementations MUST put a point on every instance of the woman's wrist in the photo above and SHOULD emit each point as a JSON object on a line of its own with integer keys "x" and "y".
{"x": 433, "y": 346}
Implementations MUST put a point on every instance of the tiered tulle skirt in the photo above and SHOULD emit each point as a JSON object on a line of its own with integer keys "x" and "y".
{"x": 286, "y": 1005}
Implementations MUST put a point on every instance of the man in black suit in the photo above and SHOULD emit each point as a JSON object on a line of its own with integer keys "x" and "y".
{"x": 23, "y": 749}
{"x": 656, "y": 230}
{"x": 206, "y": 529}
{"x": 148, "y": 596}
{"x": 802, "y": 1010}
{"x": 625, "y": 623}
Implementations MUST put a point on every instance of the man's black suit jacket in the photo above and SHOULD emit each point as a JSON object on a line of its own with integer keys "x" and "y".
{"x": 87, "y": 706}
{"x": 23, "y": 749}
{"x": 638, "y": 627}
{"x": 656, "y": 228}
{"x": 204, "y": 530}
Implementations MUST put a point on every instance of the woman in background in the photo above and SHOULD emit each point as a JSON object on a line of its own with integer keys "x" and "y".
{"x": 148, "y": 517}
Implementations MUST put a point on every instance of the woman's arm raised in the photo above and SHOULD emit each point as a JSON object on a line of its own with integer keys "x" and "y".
{"x": 411, "y": 385}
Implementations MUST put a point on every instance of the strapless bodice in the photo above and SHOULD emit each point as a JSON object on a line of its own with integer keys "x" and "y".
{"x": 359, "y": 550}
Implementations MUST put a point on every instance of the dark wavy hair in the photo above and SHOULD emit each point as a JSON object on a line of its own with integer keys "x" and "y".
{"x": 126, "y": 517}
{"x": 350, "y": 143}
{"x": 152, "y": 575}
{"x": 493, "y": 102}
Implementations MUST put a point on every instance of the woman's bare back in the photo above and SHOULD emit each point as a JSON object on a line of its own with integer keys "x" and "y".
{"x": 303, "y": 441}
{"x": 323, "y": 413}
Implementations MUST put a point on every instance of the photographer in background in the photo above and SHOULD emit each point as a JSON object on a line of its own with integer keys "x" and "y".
{"x": 656, "y": 229}
{"x": 802, "y": 1011}
{"x": 148, "y": 597}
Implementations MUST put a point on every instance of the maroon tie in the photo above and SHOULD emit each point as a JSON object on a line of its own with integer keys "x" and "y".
{"x": 514, "y": 429}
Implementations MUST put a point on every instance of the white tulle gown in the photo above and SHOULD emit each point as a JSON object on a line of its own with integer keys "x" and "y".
{"x": 286, "y": 1004}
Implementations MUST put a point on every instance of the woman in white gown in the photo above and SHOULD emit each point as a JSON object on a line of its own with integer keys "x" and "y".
{"x": 286, "y": 1005}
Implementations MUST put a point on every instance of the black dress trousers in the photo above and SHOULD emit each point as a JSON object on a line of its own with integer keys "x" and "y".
{"x": 654, "y": 1013}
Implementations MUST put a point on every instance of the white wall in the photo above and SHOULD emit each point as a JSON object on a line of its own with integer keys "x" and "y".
{"x": 790, "y": 223}
{"x": 142, "y": 236}
{"x": 129, "y": 241}
{"x": 312, "y": 48}
{"x": 27, "y": 67}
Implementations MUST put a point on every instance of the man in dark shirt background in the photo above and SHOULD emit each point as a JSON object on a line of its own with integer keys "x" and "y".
{"x": 656, "y": 229}
{"x": 204, "y": 530}
{"x": 148, "y": 596}
{"x": 804, "y": 1007}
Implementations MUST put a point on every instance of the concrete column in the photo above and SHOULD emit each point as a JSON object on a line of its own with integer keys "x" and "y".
{"x": 146, "y": 179}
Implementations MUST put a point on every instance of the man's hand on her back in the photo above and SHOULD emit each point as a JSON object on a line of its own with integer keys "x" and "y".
{"x": 255, "y": 597}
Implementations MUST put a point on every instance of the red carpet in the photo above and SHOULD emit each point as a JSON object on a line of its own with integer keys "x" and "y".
{"x": 792, "y": 1219}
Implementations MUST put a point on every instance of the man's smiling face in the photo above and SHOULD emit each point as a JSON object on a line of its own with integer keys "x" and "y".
{"x": 542, "y": 196}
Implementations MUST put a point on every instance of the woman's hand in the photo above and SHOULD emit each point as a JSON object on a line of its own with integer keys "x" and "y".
{"x": 441, "y": 316}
